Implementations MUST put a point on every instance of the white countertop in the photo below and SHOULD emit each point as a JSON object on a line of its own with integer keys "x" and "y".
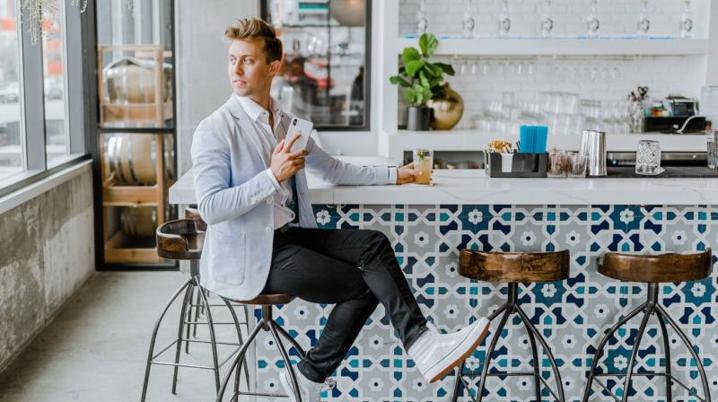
{"x": 474, "y": 187}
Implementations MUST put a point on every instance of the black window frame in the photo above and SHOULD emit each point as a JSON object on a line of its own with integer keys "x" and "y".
{"x": 263, "y": 10}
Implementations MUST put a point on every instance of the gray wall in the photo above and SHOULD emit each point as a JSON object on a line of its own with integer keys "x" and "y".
{"x": 201, "y": 60}
{"x": 46, "y": 253}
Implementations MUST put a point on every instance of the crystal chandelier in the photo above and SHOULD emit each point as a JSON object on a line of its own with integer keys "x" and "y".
{"x": 32, "y": 12}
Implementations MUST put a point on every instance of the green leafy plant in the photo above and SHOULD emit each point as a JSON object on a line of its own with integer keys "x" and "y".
{"x": 421, "y": 79}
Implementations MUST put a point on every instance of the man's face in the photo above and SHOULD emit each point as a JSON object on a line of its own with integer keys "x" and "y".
{"x": 249, "y": 72}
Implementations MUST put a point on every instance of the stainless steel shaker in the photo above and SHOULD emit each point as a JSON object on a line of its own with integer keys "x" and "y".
{"x": 593, "y": 145}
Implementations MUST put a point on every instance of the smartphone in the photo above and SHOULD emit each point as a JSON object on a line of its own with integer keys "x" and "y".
{"x": 299, "y": 126}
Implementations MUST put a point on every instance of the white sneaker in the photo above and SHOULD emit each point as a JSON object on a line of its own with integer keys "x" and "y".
{"x": 437, "y": 354}
{"x": 309, "y": 390}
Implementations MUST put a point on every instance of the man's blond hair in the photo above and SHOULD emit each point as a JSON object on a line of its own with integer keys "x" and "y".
{"x": 255, "y": 28}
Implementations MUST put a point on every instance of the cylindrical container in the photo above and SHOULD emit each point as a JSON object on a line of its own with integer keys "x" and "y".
{"x": 132, "y": 158}
{"x": 423, "y": 163}
{"x": 593, "y": 145}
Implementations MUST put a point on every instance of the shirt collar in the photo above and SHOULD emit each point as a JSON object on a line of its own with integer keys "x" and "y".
{"x": 254, "y": 111}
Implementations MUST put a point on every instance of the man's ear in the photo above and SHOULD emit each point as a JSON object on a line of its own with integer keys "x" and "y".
{"x": 275, "y": 66}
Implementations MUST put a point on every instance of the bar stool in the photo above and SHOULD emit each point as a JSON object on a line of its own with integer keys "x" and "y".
{"x": 195, "y": 303}
{"x": 266, "y": 323}
{"x": 183, "y": 240}
{"x": 652, "y": 270}
{"x": 514, "y": 268}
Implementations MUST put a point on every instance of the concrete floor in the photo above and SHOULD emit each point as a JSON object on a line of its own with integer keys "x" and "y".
{"x": 95, "y": 349}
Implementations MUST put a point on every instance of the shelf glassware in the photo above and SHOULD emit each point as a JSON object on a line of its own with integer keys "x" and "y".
{"x": 593, "y": 23}
{"x": 469, "y": 20}
{"x": 422, "y": 21}
{"x": 547, "y": 21}
{"x": 504, "y": 22}
{"x": 686, "y": 26}
{"x": 644, "y": 22}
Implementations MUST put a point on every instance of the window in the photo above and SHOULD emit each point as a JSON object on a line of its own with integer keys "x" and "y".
{"x": 11, "y": 136}
{"x": 44, "y": 114}
{"x": 326, "y": 72}
{"x": 53, "y": 56}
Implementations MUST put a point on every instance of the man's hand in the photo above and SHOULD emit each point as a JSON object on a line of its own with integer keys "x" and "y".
{"x": 406, "y": 174}
{"x": 285, "y": 163}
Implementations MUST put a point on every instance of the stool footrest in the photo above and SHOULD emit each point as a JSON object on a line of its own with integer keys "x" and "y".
{"x": 691, "y": 390}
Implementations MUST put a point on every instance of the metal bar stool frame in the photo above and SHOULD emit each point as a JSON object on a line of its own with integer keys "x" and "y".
{"x": 187, "y": 289}
{"x": 510, "y": 307}
{"x": 266, "y": 323}
{"x": 558, "y": 270}
{"x": 650, "y": 307}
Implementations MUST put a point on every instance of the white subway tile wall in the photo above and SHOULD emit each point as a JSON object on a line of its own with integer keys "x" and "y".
{"x": 617, "y": 17}
{"x": 482, "y": 80}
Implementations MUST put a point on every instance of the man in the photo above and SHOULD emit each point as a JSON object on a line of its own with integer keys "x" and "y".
{"x": 262, "y": 237}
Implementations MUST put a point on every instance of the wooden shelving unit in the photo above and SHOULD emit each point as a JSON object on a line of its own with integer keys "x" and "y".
{"x": 119, "y": 246}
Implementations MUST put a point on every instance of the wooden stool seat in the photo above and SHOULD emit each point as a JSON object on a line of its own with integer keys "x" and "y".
{"x": 193, "y": 213}
{"x": 270, "y": 299}
{"x": 180, "y": 239}
{"x": 514, "y": 267}
{"x": 661, "y": 268}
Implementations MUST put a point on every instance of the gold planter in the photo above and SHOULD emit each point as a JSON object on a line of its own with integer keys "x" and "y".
{"x": 447, "y": 109}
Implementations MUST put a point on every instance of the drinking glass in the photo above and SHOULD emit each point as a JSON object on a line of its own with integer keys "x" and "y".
{"x": 686, "y": 27}
{"x": 644, "y": 22}
{"x": 593, "y": 23}
{"x": 648, "y": 157}
{"x": 504, "y": 19}
{"x": 423, "y": 163}
{"x": 557, "y": 164}
{"x": 469, "y": 21}
{"x": 547, "y": 20}
{"x": 422, "y": 21}
{"x": 712, "y": 154}
{"x": 577, "y": 164}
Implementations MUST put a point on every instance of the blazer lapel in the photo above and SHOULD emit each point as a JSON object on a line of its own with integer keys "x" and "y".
{"x": 246, "y": 128}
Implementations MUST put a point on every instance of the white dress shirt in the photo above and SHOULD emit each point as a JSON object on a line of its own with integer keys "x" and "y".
{"x": 269, "y": 139}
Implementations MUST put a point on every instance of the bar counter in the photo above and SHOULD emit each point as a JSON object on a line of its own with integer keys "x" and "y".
{"x": 430, "y": 225}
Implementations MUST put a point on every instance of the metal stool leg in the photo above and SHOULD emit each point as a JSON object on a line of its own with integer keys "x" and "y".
{"x": 192, "y": 305}
{"x": 547, "y": 350}
{"x": 536, "y": 361}
{"x": 212, "y": 338}
{"x": 459, "y": 380}
{"x": 239, "y": 334}
{"x": 180, "y": 327}
{"x": 291, "y": 340}
{"x": 237, "y": 363}
{"x": 686, "y": 342}
{"x": 490, "y": 351}
{"x": 667, "y": 349}
{"x": 285, "y": 357}
{"x": 154, "y": 338}
{"x": 601, "y": 346}
{"x": 634, "y": 353}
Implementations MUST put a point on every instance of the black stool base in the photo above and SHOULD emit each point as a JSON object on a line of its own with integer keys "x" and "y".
{"x": 267, "y": 323}
{"x": 190, "y": 289}
{"x": 512, "y": 307}
{"x": 650, "y": 307}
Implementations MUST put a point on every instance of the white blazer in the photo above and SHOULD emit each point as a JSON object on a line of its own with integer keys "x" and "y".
{"x": 235, "y": 197}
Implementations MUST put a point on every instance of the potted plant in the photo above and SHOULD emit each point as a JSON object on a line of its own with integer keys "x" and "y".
{"x": 422, "y": 81}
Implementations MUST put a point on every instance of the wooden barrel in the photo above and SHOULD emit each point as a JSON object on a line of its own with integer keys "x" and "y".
{"x": 138, "y": 222}
{"x": 131, "y": 80}
{"x": 132, "y": 158}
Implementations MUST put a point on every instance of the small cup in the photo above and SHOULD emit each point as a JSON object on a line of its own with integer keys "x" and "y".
{"x": 577, "y": 164}
{"x": 648, "y": 157}
{"x": 558, "y": 164}
{"x": 712, "y": 148}
{"x": 424, "y": 163}
{"x": 507, "y": 161}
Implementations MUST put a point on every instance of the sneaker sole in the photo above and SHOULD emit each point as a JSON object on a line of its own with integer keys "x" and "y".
{"x": 469, "y": 351}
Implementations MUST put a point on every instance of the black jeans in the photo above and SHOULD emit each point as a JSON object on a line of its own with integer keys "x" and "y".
{"x": 356, "y": 269}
